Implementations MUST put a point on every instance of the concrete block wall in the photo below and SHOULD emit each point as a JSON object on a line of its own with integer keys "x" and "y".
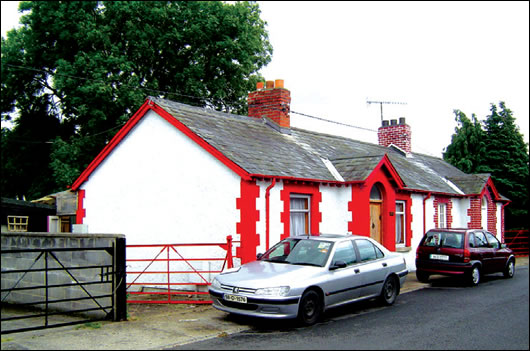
{"x": 70, "y": 260}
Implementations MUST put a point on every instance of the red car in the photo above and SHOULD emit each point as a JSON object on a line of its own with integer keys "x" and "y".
{"x": 468, "y": 253}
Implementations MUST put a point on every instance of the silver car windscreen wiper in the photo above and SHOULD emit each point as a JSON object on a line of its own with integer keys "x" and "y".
{"x": 275, "y": 260}
{"x": 305, "y": 264}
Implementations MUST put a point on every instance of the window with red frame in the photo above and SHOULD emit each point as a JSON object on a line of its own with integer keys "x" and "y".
{"x": 300, "y": 210}
{"x": 400, "y": 223}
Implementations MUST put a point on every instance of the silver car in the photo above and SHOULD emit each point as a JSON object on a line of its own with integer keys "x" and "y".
{"x": 301, "y": 277}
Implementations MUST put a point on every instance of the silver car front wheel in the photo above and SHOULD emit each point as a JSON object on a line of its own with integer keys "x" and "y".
{"x": 310, "y": 308}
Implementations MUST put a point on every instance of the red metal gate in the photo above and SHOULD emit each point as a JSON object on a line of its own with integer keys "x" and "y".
{"x": 517, "y": 240}
{"x": 163, "y": 254}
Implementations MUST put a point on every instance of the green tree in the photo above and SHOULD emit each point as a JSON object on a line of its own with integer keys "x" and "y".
{"x": 92, "y": 64}
{"x": 506, "y": 159}
{"x": 26, "y": 153}
{"x": 467, "y": 148}
{"x": 495, "y": 146}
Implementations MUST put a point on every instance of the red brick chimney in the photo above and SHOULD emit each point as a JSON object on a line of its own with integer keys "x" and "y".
{"x": 397, "y": 134}
{"x": 272, "y": 101}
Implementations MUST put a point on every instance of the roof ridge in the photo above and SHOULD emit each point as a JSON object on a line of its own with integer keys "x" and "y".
{"x": 222, "y": 114}
{"x": 336, "y": 136}
{"x": 246, "y": 118}
{"x": 340, "y": 158}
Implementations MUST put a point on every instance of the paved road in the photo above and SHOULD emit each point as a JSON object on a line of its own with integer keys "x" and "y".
{"x": 160, "y": 327}
{"x": 445, "y": 315}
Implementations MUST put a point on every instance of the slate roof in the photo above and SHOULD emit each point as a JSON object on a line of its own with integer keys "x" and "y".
{"x": 260, "y": 149}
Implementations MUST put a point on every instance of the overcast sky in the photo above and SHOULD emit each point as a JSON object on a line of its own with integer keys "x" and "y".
{"x": 433, "y": 56}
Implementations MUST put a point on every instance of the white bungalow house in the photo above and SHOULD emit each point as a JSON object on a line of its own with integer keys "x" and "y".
{"x": 176, "y": 173}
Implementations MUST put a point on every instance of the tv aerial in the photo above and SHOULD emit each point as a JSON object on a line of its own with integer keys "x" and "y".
{"x": 385, "y": 102}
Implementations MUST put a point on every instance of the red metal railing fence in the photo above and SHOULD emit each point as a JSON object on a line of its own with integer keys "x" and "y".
{"x": 165, "y": 254}
{"x": 517, "y": 240}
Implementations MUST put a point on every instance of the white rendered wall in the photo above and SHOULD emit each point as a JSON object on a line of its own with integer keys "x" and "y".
{"x": 429, "y": 213}
{"x": 261, "y": 224}
{"x": 334, "y": 208}
{"x": 460, "y": 212}
{"x": 416, "y": 228}
{"x": 159, "y": 186}
{"x": 275, "y": 210}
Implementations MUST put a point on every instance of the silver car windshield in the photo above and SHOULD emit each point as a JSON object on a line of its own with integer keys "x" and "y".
{"x": 299, "y": 252}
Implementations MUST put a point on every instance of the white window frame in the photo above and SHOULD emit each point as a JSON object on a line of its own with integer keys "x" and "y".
{"x": 307, "y": 210}
{"x": 403, "y": 216}
{"x": 442, "y": 215}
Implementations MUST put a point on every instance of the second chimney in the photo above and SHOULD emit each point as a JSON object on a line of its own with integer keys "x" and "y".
{"x": 395, "y": 133}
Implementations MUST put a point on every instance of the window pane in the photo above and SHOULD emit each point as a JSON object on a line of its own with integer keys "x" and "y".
{"x": 345, "y": 252}
{"x": 480, "y": 240}
{"x": 472, "y": 240}
{"x": 17, "y": 223}
{"x": 298, "y": 224}
{"x": 378, "y": 253}
{"x": 494, "y": 242}
{"x": 366, "y": 250}
{"x": 375, "y": 194}
{"x": 298, "y": 203}
{"x": 442, "y": 215}
{"x": 451, "y": 240}
{"x": 400, "y": 224}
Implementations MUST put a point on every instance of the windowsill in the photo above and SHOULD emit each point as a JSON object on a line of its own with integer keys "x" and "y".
{"x": 403, "y": 249}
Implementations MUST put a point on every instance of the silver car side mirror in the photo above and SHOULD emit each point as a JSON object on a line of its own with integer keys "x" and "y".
{"x": 337, "y": 264}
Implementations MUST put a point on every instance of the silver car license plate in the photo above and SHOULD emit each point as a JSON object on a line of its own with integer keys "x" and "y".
{"x": 439, "y": 257}
{"x": 235, "y": 298}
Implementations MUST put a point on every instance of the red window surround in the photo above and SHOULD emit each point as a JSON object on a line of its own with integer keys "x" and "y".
{"x": 408, "y": 217}
{"x": 304, "y": 189}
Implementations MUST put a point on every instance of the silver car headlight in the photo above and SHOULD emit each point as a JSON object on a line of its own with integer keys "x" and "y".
{"x": 275, "y": 291}
{"x": 216, "y": 284}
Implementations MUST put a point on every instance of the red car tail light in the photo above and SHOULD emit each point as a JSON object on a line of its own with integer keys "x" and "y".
{"x": 467, "y": 255}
